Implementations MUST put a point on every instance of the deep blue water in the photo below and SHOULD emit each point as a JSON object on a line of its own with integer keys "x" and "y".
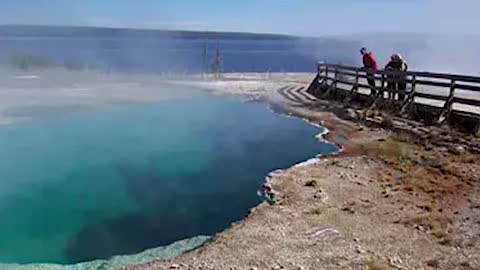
{"x": 91, "y": 184}
{"x": 137, "y": 54}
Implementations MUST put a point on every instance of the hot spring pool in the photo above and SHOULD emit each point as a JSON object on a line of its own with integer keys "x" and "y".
{"x": 89, "y": 185}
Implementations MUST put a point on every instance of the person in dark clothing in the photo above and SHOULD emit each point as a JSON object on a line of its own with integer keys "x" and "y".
{"x": 397, "y": 82}
{"x": 370, "y": 64}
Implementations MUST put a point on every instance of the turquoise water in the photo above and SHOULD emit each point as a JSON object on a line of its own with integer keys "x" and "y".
{"x": 116, "y": 262}
{"x": 93, "y": 184}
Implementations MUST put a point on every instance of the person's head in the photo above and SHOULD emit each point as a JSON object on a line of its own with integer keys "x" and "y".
{"x": 363, "y": 50}
{"x": 396, "y": 57}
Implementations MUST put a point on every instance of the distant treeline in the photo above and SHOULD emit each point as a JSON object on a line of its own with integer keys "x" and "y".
{"x": 64, "y": 31}
{"x": 30, "y": 62}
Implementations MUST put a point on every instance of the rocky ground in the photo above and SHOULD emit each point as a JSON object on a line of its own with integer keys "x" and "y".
{"x": 400, "y": 196}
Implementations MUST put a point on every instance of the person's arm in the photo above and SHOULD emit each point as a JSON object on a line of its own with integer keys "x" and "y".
{"x": 364, "y": 64}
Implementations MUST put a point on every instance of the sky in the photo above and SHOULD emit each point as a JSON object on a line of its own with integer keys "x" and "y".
{"x": 297, "y": 17}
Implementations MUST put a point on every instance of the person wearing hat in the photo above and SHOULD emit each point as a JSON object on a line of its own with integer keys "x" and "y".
{"x": 370, "y": 64}
{"x": 397, "y": 81}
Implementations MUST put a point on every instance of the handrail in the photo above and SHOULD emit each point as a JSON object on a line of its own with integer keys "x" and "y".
{"x": 433, "y": 75}
{"x": 414, "y": 80}
{"x": 468, "y": 83}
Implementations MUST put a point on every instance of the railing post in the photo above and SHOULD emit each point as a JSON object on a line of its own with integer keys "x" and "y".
{"x": 319, "y": 72}
{"x": 380, "y": 94}
{"x": 335, "y": 83}
{"x": 447, "y": 108}
{"x": 327, "y": 78}
{"x": 326, "y": 75}
{"x": 414, "y": 83}
{"x": 411, "y": 96}
{"x": 356, "y": 79}
{"x": 320, "y": 66}
{"x": 354, "y": 89}
{"x": 382, "y": 87}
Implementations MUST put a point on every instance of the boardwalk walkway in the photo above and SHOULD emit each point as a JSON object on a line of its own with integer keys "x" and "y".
{"x": 440, "y": 98}
{"x": 297, "y": 95}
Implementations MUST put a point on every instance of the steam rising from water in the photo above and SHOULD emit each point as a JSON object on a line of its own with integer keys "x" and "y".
{"x": 452, "y": 47}
{"x": 427, "y": 52}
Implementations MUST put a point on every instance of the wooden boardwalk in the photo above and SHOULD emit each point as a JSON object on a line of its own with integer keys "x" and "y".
{"x": 441, "y": 95}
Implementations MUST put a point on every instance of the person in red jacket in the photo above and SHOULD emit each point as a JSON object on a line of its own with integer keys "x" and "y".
{"x": 370, "y": 64}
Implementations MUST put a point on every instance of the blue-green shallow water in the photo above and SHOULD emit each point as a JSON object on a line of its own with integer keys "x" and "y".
{"x": 94, "y": 184}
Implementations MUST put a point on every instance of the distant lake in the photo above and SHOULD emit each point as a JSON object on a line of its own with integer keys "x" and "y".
{"x": 149, "y": 54}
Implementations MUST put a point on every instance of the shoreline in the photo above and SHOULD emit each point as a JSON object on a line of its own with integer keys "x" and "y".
{"x": 351, "y": 210}
{"x": 168, "y": 251}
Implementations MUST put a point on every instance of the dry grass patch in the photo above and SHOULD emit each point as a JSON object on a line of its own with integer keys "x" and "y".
{"x": 437, "y": 225}
{"x": 315, "y": 211}
{"x": 390, "y": 149}
{"x": 376, "y": 265}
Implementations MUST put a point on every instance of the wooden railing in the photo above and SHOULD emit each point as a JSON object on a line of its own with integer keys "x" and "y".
{"x": 446, "y": 92}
